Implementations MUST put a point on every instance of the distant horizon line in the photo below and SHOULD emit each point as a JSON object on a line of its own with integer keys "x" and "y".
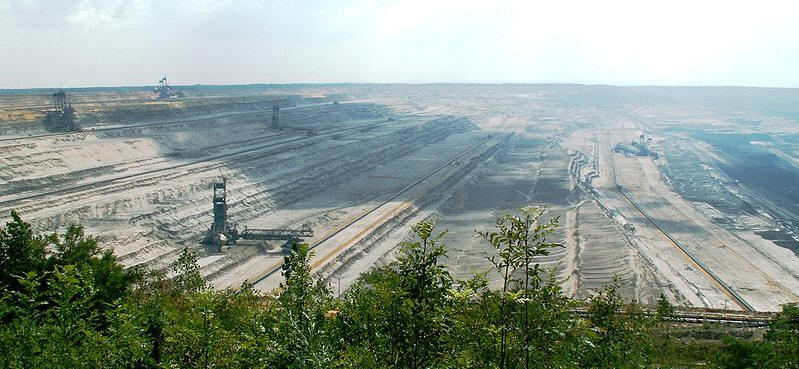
{"x": 278, "y": 84}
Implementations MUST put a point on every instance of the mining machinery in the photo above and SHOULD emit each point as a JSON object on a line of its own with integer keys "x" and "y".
{"x": 62, "y": 115}
{"x": 639, "y": 148}
{"x": 275, "y": 117}
{"x": 224, "y": 232}
{"x": 642, "y": 146}
{"x": 164, "y": 90}
{"x": 275, "y": 123}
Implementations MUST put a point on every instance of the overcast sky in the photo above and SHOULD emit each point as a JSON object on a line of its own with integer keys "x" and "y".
{"x": 675, "y": 42}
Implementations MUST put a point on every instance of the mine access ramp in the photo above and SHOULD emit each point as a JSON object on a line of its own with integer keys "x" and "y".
{"x": 224, "y": 232}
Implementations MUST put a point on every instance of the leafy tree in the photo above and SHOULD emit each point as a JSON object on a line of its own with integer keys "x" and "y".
{"x": 425, "y": 286}
{"x": 110, "y": 281}
{"x": 57, "y": 304}
{"x": 370, "y": 323}
{"x": 662, "y": 336}
{"x": 402, "y": 313}
{"x": 780, "y": 346}
{"x": 194, "y": 336}
{"x": 665, "y": 310}
{"x": 70, "y": 318}
{"x": 619, "y": 335}
{"x": 22, "y": 336}
{"x": 20, "y": 252}
{"x": 737, "y": 354}
{"x": 143, "y": 320}
{"x": 130, "y": 335}
{"x": 248, "y": 320}
{"x": 302, "y": 304}
{"x": 187, "y": 272}
{"x": 518, "y": 241}
{"x": 67, "y": 303}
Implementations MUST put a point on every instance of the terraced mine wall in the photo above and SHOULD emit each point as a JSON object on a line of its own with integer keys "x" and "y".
{"x": 144, "y": 190}
{"x": 92, "y": 115}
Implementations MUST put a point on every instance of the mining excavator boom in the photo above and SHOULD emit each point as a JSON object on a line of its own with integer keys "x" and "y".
{"x": 223, "y": 232}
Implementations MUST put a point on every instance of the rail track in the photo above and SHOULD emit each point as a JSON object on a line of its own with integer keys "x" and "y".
{"x": 275, "y": 268}
{"x": 726, "y": 289}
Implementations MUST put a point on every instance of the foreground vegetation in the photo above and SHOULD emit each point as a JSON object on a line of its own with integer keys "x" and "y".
{"x": 65, "y": 303}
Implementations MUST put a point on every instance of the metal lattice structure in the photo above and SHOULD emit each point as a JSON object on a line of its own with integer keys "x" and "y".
{"x": 62, "y": 115}
{"x": 276, "y": 234}
{"x": 638, "y": 148}
{"x": 224, "y": 232}
{"x": 164, "y": 90}
{"x": 275, "y": 117}
{"x": 221, "y": 231}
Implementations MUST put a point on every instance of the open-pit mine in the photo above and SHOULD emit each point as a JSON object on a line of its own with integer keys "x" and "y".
{"x": 689, "y": 193}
